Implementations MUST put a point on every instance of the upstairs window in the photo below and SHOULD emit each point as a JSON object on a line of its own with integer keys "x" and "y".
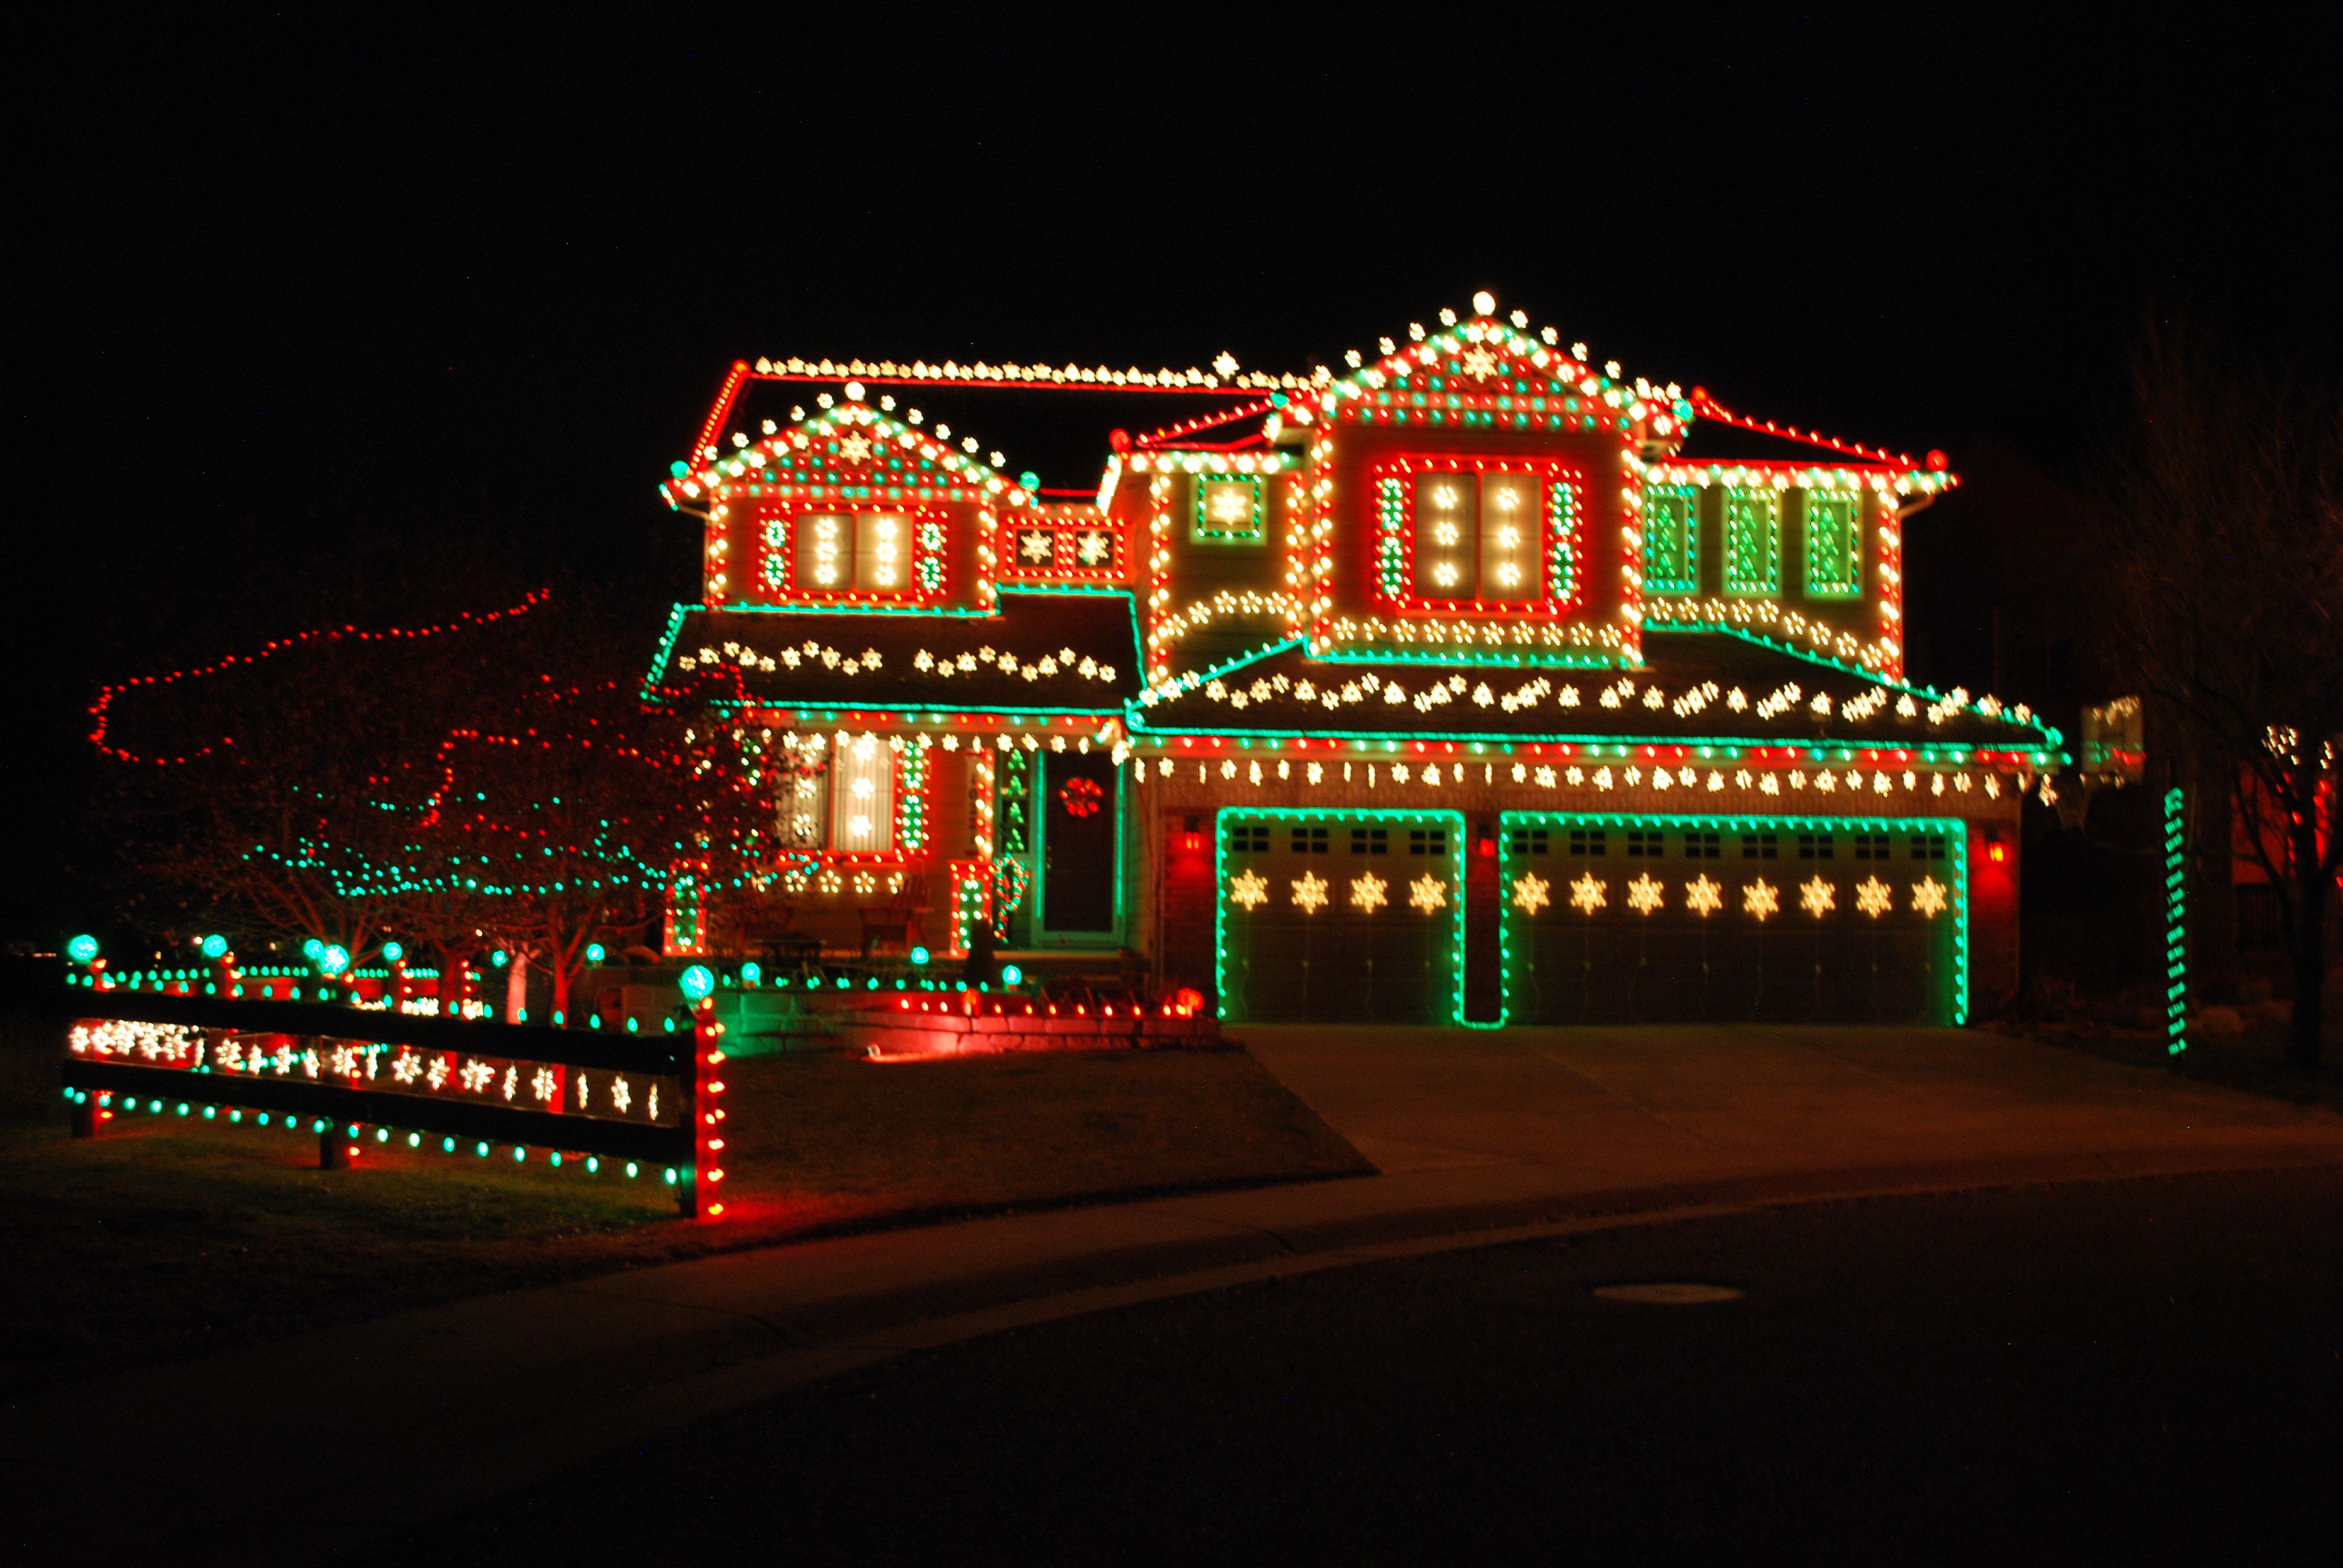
{"x": 1672, "y": 540}
{"x": 1230, "y": 510}
{"x": 885, "y": 554}
{"x": 1833, "y": 544}
{"x": 1479, "y": 536}
{"x": 1753, "y": 540}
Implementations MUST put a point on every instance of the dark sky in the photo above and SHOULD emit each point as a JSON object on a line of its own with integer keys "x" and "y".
{"x": 328, "y": 316}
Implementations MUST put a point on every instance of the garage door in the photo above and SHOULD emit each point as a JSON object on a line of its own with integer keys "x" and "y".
{"x": 1623, "y": 919}
{"x": 1341, "y": 917}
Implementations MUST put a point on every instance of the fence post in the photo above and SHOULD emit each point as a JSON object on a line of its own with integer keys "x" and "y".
{"x": 81, "y": 1117}
{"x": 333, "y": 1148}
{"x": 706, "y": 1100}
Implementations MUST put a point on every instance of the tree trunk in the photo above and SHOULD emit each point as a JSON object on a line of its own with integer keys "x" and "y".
{"x": 2308, "y": 937}
{"x": 2213, "y": 890}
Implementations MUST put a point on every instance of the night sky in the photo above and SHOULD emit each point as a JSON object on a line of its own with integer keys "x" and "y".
{"x": 335, "y": 319}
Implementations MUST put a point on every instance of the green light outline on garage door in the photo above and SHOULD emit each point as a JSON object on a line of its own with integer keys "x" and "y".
{"x": 1230, "y": 816}
{"x": 1956, "y": 840}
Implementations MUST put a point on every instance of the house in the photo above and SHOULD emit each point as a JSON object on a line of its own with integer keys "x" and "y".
{"x": 1475, "y": 683}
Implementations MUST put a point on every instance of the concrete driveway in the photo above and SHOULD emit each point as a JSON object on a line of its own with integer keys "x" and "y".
{"x": 1586, "y": 1109}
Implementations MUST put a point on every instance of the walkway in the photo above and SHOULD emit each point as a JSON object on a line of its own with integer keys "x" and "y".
{"x": 1480, "y": 1136}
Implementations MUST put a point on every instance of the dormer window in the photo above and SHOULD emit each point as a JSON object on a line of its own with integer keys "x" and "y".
{"x": 1501, "y": 536}
{"x": 882, "y": 555}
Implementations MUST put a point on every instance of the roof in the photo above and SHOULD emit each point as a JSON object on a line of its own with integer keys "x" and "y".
{"x": 1694, "y": 686}
{"x": 1041, "y": 652}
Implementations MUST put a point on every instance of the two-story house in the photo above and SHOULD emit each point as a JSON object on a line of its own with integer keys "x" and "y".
{"x": 1453, "y": 686}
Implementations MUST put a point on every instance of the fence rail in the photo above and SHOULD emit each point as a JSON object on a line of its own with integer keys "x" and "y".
{"x": 568, "y": 1092}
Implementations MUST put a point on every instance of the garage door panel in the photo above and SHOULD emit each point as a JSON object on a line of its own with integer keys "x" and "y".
{"x": 1628, "y": 919}
{"x": 1340, "y": 917}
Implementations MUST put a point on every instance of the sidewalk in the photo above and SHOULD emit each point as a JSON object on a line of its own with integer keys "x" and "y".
{"x": 1480, "y": 1136}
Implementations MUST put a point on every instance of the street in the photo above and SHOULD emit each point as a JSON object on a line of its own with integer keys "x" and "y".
{"x": 2139, "y": 1370}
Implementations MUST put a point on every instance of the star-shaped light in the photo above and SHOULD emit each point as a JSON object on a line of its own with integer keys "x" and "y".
{"x": 1033, "y": 546}
{"x": 1479, "y": 362}
{"x": 1702, "y": 897}
{"x": 1249, "y": 890}
{"x": 1928, "y": 897}
{"x": 1309, "y": 892}
{"x": 1761, "y": 899}
{"x": 1873, "y": 898}
{"x": 1092, "y": 546}
{"x": 1645, "y": 893}
{"x": 1530, "y": 893}
{"x": 1587, "y": 894}
{"x": 854, "y": 448}
{"x": 1816, "y": 897}
{"x": 1367, "y": 893}
{"x": 1427, "y": 893}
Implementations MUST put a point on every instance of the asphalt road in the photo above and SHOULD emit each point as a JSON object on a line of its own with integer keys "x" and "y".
{"x": 2143, "y": 1371}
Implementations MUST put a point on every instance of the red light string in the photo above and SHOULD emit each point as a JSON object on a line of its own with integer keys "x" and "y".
{"x": 99, "y": 709}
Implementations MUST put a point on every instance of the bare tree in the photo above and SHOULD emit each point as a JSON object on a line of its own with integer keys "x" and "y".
{"x": 2224, "y": 563}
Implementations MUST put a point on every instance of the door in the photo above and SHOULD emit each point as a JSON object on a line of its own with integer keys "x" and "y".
{"x": 1081, "y": 843}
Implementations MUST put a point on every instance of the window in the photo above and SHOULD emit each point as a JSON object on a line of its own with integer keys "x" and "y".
{"x": 1833, "y": 544}
{"x": 893, "y": 552}
{"x": 1704, "y": 846}
{"x": 883, "y": 551}
{"x": 1587, "y": 841}
{"x": 1871, "y": 846}
{"x": 1370, "y": 840}
{"x": 1427, "y": 840}
{"x": 1480, "y": 536}
{"x": 1644, "y": 843}
{"x": 1248, "y": 839}
{"x": 1529, "y": 841}
{"x": 825, "y": 552}
{"x": 1229, "y": 510}
{"x": 862, "y": 796}
{"x": 1814, "y": 845}
{"x": 1309, "y": 841}
{"x": 1927, "y": 846}
{"x": 1671, "y": 541}
{"x": 1759, "y": 847}
{"x": 1753, "y": 540}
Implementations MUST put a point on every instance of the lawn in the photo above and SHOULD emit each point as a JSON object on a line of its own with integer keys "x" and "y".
{"x": 172, "y": 1237}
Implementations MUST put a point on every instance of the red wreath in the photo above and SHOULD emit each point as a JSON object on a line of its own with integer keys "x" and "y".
{"x": 1082, "y": 797}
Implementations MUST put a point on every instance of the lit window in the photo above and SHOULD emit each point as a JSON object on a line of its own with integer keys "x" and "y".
{"x": 862, "y": 796}
{"x": 1753, "y": 540}
{"x": 1228, "y": 511}
{"x": 1479, "y": 536}
{"x": 825, "y": 552}
{"x": 1510, "y": 534}
{"x": 1833, "y": 544}
{"x": 883, "y": 551}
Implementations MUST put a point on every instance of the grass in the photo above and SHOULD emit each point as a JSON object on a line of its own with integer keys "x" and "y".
{"x": 173, "y": 1237}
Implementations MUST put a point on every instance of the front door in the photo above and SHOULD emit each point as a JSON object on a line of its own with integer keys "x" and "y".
{"x": 1081, "y": 844}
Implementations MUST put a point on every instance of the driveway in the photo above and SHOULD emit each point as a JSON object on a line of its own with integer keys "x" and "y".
{"x": 1589, "y": 1110}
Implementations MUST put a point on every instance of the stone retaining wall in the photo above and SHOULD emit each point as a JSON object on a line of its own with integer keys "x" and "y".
{"x": 895, "y": 1032}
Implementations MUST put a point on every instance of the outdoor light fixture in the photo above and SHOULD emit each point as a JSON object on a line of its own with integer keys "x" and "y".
{"x": 697, "y": 981}
{"x": 81, "y": 949}
{"x": 391, "y": 952}
{"x": 215, "y": 946}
